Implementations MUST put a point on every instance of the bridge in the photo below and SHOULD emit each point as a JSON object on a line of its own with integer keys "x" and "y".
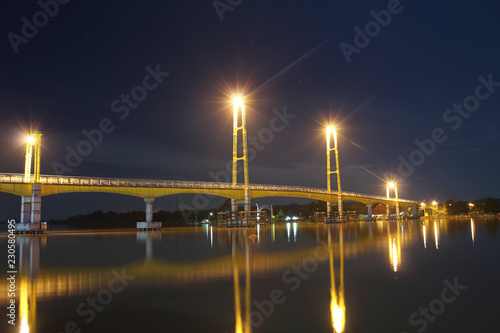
{"x": 149, "y": 189}
{"x": 32, "y": 187}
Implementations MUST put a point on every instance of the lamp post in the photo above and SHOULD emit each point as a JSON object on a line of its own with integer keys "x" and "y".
{"x": 422, "y": 205}
{"x": 239, "y": 104}
{"x": 435, "y": 206}
{"x": 471, "y": 206}
{"x": 329, "y": 131}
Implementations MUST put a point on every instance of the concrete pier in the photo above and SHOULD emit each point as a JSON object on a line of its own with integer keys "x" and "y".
{"x": 36, "y": 203}
{"x": 25, "y": 209}
{"x": 31, "y": 228}
{"x": 414, "y": 211}
{"x": 369, "y": 216}
{"x": 149, "y": 226}
{"x": 31, "y": 213}
{"x": 149, "y": 209}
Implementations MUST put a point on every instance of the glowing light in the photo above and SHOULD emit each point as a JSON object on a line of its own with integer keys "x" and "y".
{"x": 237, "y": 101}
{"x": 436, "y": 235}
{"x": 338, "y": 316}
{"x": 24, "y": 308}
{"x": 30, "y": 139}
{"x": 337, "y": 303}
{"x": 288, "y": 231}
{"x": 294, "y": 232}
{"x": 391, "y": 184}
{"x": 422, "y": 204}
{"x": 434, "y": 203}
{"x": 330, "y": 129}
{"x": 395, "y": 256}
{"x": 24, "y": 325}
{"x": 424, "y": 232}
{"x": 211, "y": 236}
{"x": 258, "y": 233}
{"x": 472, "y": 231}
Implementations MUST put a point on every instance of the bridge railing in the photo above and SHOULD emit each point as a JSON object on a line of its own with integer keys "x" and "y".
{"x": 122, "y": 182}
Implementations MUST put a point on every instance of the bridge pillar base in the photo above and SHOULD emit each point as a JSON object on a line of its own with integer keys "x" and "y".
{"x": 149, "y": 209}
{"x": 414, "y": 211}
{"x": 31, "y": 228}
{"x": 149, "y": 226}
{"x": 36, "y": 203}
{"x": 25, "y": 209}
{"x": 369, "y": 216}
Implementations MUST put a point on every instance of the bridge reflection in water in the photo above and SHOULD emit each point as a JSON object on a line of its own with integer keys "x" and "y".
{"x": 244, "y": 256}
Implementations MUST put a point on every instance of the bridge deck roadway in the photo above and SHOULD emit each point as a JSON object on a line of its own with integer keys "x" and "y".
{"x": 15, "y": 183}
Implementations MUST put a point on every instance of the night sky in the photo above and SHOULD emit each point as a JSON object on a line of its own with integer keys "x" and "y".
{"x": 156, "y": 79}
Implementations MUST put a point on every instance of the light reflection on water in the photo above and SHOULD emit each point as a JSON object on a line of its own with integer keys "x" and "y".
{"x": 252, "y": 260}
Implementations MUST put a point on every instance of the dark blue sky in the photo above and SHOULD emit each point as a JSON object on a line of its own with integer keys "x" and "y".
{"x": 74, "y": 74}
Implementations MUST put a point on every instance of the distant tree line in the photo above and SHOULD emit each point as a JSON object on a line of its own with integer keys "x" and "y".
{"x": 100, "y": 219}
{"x": 486, "y": 206}
{"x": 110, "y": 219}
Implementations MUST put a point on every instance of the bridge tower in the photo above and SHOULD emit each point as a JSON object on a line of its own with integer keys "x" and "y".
{"x": 31, "y": 206}
{"x": 238, "y": 104}
{"x": 330, "y": 130}
{"x": 395, "y": 187}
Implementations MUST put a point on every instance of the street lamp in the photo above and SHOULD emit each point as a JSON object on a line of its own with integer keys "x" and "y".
{"x": 422, "y": 205}
{"x": 329, "y": 131}
{"x": 238, "y": 104}
{"x": 435, "y": 207}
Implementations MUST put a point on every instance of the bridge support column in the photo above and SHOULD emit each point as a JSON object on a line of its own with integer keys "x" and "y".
{"x": 370, "y": 213}
{"x": 328, "y": 209}
{"x": 405, "y": 213}
{"x": 149, "y": 209}
{"x": 36, "y": 203}
{"x": 247, "y": 200}
{"x": 31, "y": 208}
{"x": 149, "y": 224}
{"x": 248, "y": 207}
{"x": 414, "y": 211}
{"x": 234, "y": 212}
{"x": 25, "y": 209}
{"x": 387, "y": 211}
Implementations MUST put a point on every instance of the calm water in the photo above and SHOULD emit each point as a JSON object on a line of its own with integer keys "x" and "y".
{"x": 411, "y": 276}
